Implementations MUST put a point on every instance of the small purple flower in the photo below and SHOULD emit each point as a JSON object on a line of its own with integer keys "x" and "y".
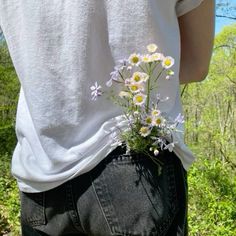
{"x": 114, "y": 76}
{"x": 170, "y": 147}
{"x": 123, "y": 64}
{"x": 109, "y": 83}
{"x": 161, "y": 142}
{"x": 179, "y": 119}
{"x": 96, "y": 91}
{"x": 161, "y": 99}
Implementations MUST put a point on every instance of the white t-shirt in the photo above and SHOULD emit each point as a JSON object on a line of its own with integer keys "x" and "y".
{"x": 59, "y": 49}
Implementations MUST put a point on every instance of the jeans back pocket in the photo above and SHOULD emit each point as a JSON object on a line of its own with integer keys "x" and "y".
{"x": 134, "y": 198}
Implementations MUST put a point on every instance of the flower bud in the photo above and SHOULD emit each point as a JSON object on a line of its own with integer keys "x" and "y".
{"x": 156, "y": 152}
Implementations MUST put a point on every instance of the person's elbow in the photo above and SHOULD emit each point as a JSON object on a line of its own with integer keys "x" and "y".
{"x": 193, "y": 72}
{"x": 201, "y": 72}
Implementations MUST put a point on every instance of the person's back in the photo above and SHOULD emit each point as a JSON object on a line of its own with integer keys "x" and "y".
{"x": 59, "y": 49}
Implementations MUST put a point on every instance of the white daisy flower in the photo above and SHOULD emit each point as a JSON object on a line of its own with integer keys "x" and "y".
{"x": 148, "y": 120}
{"x": 146, "y": 58}
{"x": 168, "y": 62}
{"x": 135, "y": 87}
{"x": 134, "y": 59}
{"x": 152, "y": 47}
{"x": 155, "y": 112}
{"x": 123, "y": 94}
{"x": 157, "y": 121}
{"x": 157, "y": 57}
{"x": 139, "y": 99}
{"x": 139, "y": 77}
{"x": 144, "y": 131}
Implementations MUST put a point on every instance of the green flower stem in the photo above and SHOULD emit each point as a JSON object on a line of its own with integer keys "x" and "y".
{"x": 159, "y": 74}
{"x": 121, "y": 76}
{"x": 148, "y": 89}
{"x": 142, "y": 68}
{"x": 155, "y": 65}
{"x": 155, "y": 160}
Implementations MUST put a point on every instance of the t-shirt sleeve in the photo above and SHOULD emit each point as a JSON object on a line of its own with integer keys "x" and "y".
{"x": 184, "y": 6}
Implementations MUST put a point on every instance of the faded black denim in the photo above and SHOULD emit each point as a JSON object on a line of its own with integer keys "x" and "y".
{"x": 123, "y": 195}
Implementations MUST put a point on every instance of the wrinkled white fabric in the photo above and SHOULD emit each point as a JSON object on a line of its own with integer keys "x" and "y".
{"x": 59, "y": 49}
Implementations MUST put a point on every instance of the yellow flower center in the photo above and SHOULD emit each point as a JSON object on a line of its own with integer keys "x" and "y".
{"x": 144, "y": 130}
{"x": 145, "y": 59}
{"x": 139, "y": 98}
{"x": 167, "y": 62}
{"x": 135, "y": 59}
{"x": 156, "y": 57}
{"x": 134, "y": 87}
{"x": 137, "y": 78}
{"x": 148, "y": 120}
{"x": 155, "y": 112}
{"x": 158, "y": 121}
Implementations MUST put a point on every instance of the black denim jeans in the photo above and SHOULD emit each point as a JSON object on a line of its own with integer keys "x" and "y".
{"x": 123, "y": 195}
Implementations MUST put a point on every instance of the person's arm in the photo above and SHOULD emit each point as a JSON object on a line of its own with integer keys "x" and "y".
{"x": 197, "y": 36}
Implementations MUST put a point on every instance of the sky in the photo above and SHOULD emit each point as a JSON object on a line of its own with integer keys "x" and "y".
{"x": 221, "y": 22}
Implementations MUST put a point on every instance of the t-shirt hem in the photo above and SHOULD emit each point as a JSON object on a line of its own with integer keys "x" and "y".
{"x": 186, "y": 6}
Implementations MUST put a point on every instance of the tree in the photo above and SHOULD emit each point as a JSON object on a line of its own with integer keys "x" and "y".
{"x": 210, "y": 106}
{"x": 1, "y": 34}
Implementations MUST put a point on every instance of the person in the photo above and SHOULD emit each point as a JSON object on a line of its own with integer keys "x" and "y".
{"x": 73, "y": 178}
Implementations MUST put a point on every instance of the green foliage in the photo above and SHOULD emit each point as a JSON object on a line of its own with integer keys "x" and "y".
{"x": 212, "y": 187}
{"x": 9, "y": 88}
{"x": 9, "y": 199}
{"x": 210, "y": 111}
{"x": 7, "y": 139}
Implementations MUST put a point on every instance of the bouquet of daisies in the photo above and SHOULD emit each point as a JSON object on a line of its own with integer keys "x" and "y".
{"x": 150, "y": 130}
